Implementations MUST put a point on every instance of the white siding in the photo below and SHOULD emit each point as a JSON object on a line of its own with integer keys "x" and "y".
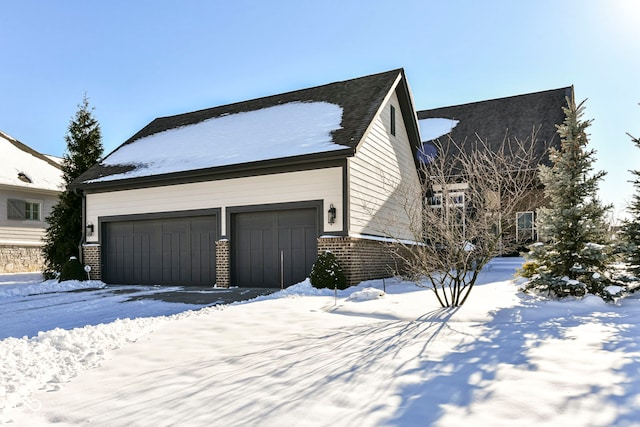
{"x": 21, "y": 236}
{"x": 321, "y": 184}
{"x": 22, "y": 231}
{"x": 383, "y": 178}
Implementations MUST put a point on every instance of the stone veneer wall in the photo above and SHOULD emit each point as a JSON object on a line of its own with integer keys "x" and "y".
{"x": 223, "y": 264}
{"x": 361, "y": 259}
{"x": 21, "y": 259}
{"x": 91, "y": 257}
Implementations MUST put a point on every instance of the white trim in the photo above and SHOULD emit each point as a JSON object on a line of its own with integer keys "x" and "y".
{"x": 20, "y": 243}
{"x": 381, "y": 239}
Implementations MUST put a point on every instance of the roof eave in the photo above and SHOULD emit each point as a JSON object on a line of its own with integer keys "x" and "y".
{"x": 206, "y": 174}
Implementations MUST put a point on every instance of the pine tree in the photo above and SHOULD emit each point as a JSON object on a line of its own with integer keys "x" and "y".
{"x": 84, "y": 148}
{"x": 575, "y": 257}
{"x": 630, "y": 232}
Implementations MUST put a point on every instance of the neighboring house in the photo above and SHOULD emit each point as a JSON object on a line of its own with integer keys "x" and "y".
{"x": 248, "y": 194}
{"x": 29, "y": 186}
{"x": 514, "y": 117}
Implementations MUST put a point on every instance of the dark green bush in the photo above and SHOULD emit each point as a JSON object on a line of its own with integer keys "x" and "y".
{"x": 327, "y": 272}
{"x": 72, "y": 270}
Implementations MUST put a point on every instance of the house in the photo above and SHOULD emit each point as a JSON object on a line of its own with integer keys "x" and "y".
{"x": 29, "y": 186}
{"x": 515, "y": 117}
{"x": 248, "y": 194}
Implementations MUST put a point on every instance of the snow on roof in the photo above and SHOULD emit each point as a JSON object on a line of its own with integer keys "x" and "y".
{"x": 56, "y": 159}
{"x": 431, "y": 129}
{"x": 291, "y": 129}
{"x": 21, "y": 166}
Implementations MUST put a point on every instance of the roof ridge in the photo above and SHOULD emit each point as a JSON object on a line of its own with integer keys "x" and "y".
{"x": 24, "y": 147}
{"x": 310, "y": 88}
{"x": 161, "y": 124}
{"x": 565, "y": 88}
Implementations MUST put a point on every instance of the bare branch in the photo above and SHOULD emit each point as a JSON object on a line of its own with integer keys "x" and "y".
{"x": 472, "y": 192}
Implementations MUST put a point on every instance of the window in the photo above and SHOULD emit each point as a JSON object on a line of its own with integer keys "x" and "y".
{"x": 435, "y": 201}
{"x": 32, "y": 211}
{"x": 452, "y": 207}
{"x": 526, "y": 227}
{"x": 393, "y": 120}
{"x": 457, "y": 199}
{"x": 23, "y": 210}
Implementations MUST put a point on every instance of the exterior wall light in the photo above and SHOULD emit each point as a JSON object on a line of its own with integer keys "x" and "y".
{"x": 89, "y": 229}
{"x": 332, "y": 214}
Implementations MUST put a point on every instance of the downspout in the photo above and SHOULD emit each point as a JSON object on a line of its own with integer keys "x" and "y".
{"x": 83, "y": 239}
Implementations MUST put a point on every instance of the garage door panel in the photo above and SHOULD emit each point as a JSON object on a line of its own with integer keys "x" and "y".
{"x": 119, "y": 250}
{"x": 207, "y": 232}
{"x": 203, "y": 237}
{"x": 144, "y": 244}
{"x": 271, "y": 246}
{"x": 175, "y": 251}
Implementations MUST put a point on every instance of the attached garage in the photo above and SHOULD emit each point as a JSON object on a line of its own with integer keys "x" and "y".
{"x": 177, "y": 250}
{"x": 289, "y": 176}
{"x": 273, "y": 248}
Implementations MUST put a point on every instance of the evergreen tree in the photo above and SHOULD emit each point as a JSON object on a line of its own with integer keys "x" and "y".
{"x": 84, "y": 148}
{"x": 575, "y": 257}
{"x": 631, "y": 227}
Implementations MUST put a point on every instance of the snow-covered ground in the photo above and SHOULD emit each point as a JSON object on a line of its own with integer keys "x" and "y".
{"x": 301, "y": 357}
{"x": 28, "y": 305}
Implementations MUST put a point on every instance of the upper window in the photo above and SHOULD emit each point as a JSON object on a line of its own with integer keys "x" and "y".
{"x": 526, "y": 226}
{"x": 393, "y": 120}
{"x": 455, "y": 200}
{"x": 435, "y": 200}
{"x": 451, "y": 206}
{"x": 23, "y": 210}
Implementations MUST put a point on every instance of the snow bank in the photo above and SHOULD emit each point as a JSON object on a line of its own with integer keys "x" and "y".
{"x": 52, "y": 358}
{"x": 12, "y": 290}
{"x": 367, "y": 294}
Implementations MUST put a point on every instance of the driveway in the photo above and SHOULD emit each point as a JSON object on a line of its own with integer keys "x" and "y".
{"x": 204, "y": 296}
{"x": 28, "y": 306}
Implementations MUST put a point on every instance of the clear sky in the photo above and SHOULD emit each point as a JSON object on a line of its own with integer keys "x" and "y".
{"x": 137, "y": 60}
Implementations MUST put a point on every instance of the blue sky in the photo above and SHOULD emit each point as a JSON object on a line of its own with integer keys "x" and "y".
{"x": 138, "y": 60}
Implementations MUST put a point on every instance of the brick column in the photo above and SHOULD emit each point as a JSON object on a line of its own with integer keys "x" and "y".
{"x": 223, "y": 264}
{"x": 91, "y": 256}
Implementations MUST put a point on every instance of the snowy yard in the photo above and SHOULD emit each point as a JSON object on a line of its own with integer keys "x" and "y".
{"x": 300, "y": 357}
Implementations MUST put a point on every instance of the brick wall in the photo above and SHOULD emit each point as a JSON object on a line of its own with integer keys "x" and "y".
{"x": 20, "y": 259}
{"x": 223, "y": 264}
{"x": 361, "y": 259}
{"x": 91, "y": 257}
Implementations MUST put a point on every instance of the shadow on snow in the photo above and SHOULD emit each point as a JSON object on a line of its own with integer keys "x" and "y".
{"x": 456, "y": 380}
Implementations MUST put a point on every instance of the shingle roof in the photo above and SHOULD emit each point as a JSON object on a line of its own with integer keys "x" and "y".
{"x": 511, "y": 117}
{"x": 359, "y": 98}
{"x": 22, "y": 166}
